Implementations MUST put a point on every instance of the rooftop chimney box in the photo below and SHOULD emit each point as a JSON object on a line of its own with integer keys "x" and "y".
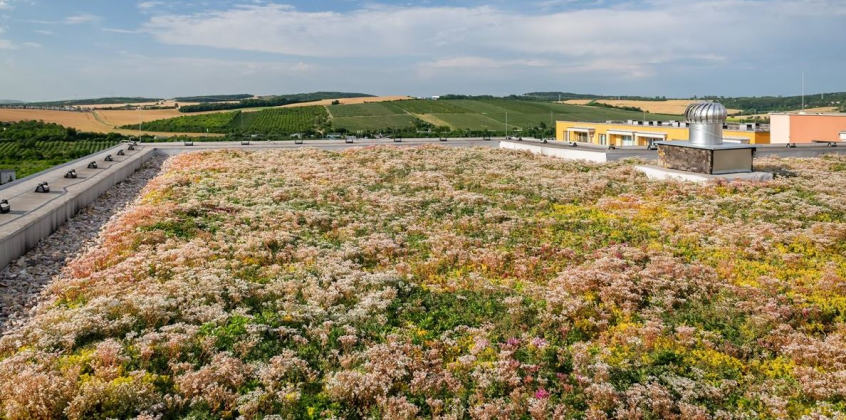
{"x": 705, "y": 151}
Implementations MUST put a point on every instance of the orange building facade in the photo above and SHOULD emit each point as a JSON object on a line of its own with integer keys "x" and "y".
{"x": 807, "y": 128}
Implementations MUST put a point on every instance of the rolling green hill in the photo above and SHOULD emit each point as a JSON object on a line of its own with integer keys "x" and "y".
{"x": 214, "y": 98}
{"x": 764, "y": 104}
{"x": 474, "y": 115}
{"x": 96, "y": 101}
{"x": 270, "y": 101}
{"x": 410, "y": 117}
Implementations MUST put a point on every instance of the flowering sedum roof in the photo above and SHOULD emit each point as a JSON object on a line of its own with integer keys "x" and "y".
{"x": 448, "y": 283}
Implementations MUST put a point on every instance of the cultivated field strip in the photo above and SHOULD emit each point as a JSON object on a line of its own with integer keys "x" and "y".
{"x": 410, "y": 115}
{"x": 267, "y": 121}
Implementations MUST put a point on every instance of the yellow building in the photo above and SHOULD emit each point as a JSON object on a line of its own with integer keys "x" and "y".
{"x": 643, "y": 133}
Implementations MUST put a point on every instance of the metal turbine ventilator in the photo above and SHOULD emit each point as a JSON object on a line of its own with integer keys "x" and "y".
{"x": 706, "y": 123}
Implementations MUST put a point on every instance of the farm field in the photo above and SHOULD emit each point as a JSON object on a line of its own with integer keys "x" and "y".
{"x": 30, "y": 158}
{"x": 272, "y": 120}
{"x": 471, "y": 114}
{"x": 213, "y": 123}
{"x": 822, "y": 110}
{"x": 817, "y": 110}
{"x": 172, "y": 102}
{"x": 168, "y": 103}
{"x": 449, "y": 283}
{"x": 83, "y": 121}
{"x": 393, "y": 122}
{"x": 670, "y": 106}
{"x": 281, "y": 120}
{"x": 93, "y": 122}
{"x": 476, "y": 115}
{"x": 468, "y": 121}
{"x": 418, "y": 106}
{"x": 31, "y": 147}
{"x": 497, "y": 109}
{"x": 362, "y": 110}
{"x": 350, "y": 101}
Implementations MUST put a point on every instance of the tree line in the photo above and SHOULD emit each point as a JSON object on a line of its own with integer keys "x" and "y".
{"x": 41, "y": 131}
{"x": 270, "y": 101}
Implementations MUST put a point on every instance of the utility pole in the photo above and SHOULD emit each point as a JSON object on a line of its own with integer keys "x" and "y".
{"x": 551, "y": 122}
{"x": 506, "y": 125}
{"x": 803, "y": 90}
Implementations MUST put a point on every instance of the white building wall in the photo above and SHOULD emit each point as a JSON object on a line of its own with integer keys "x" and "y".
{"x": 779, "y": 128}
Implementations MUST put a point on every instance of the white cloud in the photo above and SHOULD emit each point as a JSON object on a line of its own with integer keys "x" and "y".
{"x": 82, "y": 18}
{"x": 647, "y": 47}
{"x": 482, "y": 62}
{"x": 43, "y": 32}
{"x": 146, "y": 5}
{"x": 282, "y": 29}
{"x": 553, "y": 4}
{"x": 141, "y": 64}
{"x": 6, "y": 44}
{"x": 39, "y": 22}
{"x": 626, "y": 39}
{"x": 120, "y": 31}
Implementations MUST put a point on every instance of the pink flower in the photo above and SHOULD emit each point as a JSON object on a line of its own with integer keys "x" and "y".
{"x": 540, "y": 343}
{"x": 542, "y": 394}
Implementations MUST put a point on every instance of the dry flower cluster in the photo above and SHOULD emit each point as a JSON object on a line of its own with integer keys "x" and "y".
{"x": 450, "y": 284}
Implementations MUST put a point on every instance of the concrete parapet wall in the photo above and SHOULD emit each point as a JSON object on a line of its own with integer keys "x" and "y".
{"x": 580, "y": 152}
{"x": 800, "y": 151}
{"x": 20, "y": 235}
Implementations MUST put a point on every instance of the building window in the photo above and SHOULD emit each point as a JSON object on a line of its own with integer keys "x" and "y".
{"x": 581, "y": 137}
{"x": 627, "y": 140}
{"x": 602, "y": 139}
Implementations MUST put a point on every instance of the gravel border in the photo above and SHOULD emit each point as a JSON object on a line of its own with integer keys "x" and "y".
{"x": 24, "y": 280}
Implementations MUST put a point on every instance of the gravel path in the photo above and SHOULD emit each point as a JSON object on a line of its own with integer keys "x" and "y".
{"x": 23, "y": 281}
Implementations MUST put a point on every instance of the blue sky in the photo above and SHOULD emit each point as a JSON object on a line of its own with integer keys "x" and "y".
{"x": 56, "y": 49}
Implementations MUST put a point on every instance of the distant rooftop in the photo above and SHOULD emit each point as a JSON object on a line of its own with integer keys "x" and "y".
{"x": 757, "y": 127}
{"x": 827, "y": 114}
